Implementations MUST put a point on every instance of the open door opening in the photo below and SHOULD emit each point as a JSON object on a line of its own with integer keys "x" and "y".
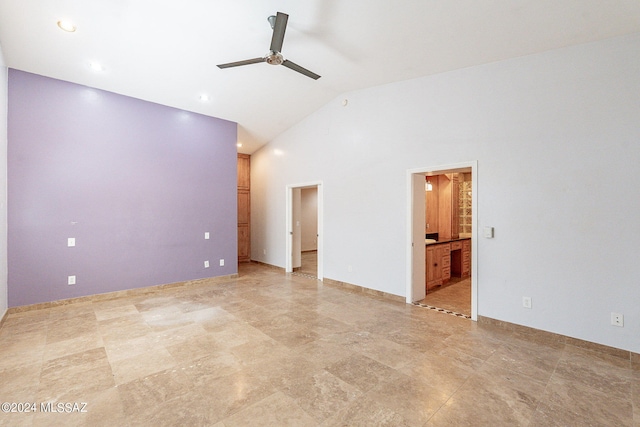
{"x": 304, "y": 226}
{"x": 442, "y": 248}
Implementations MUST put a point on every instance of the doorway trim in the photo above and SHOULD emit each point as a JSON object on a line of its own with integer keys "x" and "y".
{"x": 289, "y": 225}
{"x": 438, "y": 169}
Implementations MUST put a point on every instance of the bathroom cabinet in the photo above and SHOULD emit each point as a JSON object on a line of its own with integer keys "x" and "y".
{"x": 446, "y": 259}
{"x": 438, "y": 264}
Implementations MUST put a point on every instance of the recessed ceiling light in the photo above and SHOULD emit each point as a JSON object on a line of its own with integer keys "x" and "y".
{"x": 66, "y": 26}
{"x": 96, "y": 66}
{"x": 204, "y": 97}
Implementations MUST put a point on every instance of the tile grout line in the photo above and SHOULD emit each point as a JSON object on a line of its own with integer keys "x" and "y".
{"x": 451, "y": 395}
{"x": 546, "y": 385}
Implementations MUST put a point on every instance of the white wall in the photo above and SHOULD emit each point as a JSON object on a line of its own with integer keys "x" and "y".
{"x": 3, "y": 185}
{"x": 557, "y": 140}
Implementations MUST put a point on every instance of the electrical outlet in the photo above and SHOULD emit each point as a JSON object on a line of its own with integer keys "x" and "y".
{"x": 350, "y": 268}
{"x": 526, "y": 302}
{"x": 206, "y": 235}
{"x": 206, "y": 264}
{"x": 264, "y": 252}
{"x": 71, "y": 280}
{"x": 617, "y": 319}
{"x": 71, "y": 241}
{"x": 221, "y": 263}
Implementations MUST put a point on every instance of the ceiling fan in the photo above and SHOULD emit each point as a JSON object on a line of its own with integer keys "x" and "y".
{"x": 274, "y": 57}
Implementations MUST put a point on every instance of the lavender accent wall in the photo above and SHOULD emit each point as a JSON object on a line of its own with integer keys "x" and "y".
{"x": 136, "y": 184}
{"x": 3, "y": 185}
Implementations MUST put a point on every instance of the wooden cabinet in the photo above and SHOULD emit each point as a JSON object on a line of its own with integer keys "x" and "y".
{"x": 433, "y": 268}
{"x": 244, "y": 208}
{"x": 444, "y": 260}
{"x": 466, "y": 258}
{"x": 244, "y": 244}
{"x": 438, "y": 264}
{"x": 461, "y": 258}
{"x": 443, "y": 206}
{"x": 244, "y": 172}
{"x": 432, "y": 213}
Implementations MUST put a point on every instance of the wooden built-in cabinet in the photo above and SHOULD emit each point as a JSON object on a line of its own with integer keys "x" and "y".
{"x": 244, "y": 208}
{"x": 438, "y": 264}
{"x": 461, "y": 258}
{"x": 444, "y": 260}
{"x": 466, "y": 258}
{"x": 442, "y": 206}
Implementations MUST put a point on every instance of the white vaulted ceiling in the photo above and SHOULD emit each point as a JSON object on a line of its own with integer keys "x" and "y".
{"x": 166, "y": 51}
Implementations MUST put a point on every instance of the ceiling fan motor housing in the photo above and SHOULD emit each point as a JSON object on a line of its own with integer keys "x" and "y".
{"x": 274, "y": 58}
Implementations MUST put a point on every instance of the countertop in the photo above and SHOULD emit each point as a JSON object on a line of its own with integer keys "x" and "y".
{"x": 430, "y": 242}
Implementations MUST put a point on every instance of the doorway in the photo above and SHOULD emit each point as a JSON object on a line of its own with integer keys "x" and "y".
{"x": 418, "y": 248}
{"x": 304, "y": 229}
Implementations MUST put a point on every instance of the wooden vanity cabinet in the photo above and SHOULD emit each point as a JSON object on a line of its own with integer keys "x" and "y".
{"x": 444, "y": 260}
{"x": 461, "y": 258}
{"x": 466, "y": 258}
{"x": 438, "y": 264}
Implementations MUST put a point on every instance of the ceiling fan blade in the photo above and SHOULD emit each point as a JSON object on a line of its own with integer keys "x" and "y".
{"x": 278, "y": 32}
{"x": 302, "y": 70}
{"x": 239, "y": 63}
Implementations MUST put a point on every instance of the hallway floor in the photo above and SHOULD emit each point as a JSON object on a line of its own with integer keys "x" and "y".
{"x": 273, "y": 349}
{"x": 309, "y": 264}
{"x": 455, "y": 296}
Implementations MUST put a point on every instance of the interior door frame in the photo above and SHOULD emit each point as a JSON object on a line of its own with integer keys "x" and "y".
{"x": 289, "y": 225}
{"x": 413, "y": 282}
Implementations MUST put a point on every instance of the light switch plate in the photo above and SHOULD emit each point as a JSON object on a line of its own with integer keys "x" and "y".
{"x": 71, "y": 241}
{"x": 206, "y": 235}
{"x": 487, "y": 232}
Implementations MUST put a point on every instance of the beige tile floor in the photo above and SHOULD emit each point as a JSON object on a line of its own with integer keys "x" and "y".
{"x": 284, "y": 350}
{"x": 309, "y": 263}
{"x": 455, "y": 296}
